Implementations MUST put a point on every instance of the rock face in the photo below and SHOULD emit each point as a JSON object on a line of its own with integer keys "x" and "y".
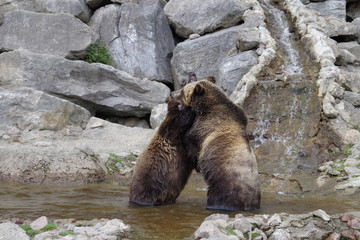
{"x": 203, "y": 55}
{"x": 72, "y": 155}
{"x": 42, "y": 33}
{"x": 97, "y": 87}
{"x": 139, "y": 38}
{"x": 77, "y": 8}
{"x": 233, "y": 68}
{"x": 193, "y": 16}
{"x": 30, "y": 109}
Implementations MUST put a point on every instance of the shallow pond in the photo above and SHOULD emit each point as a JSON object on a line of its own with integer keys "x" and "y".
{"x": 177, "y": 221}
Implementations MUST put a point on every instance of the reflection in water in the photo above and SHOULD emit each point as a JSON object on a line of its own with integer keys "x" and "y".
{"x": 177, "y": 221}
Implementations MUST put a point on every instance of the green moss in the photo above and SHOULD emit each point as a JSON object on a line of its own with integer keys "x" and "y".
{"x": 98, "y": 53}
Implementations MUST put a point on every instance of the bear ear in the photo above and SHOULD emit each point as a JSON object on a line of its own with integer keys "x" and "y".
{"x": 199, "y": 90}
{"x": 211, "y": 79}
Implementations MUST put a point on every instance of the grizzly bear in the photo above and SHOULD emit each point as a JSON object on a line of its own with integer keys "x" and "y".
{"x": 217, "y": 140}
{"x": 162, "y": 170}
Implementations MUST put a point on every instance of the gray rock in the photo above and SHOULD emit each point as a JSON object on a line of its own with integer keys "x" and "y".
{"x": 349, "y": 78}
{"x": 77, "y": 8}
{"x": 142, "y": 42}
{"x": 158, "y": 114}
{"x": 30, "y": 109}
{"x": 242, "y": 224}
{"x": 105, "y": 22}
{"x": 280, "y": 234}
{"x": 352, "y": 47}
{"x": 39, "y": 223}
{"x": 97, "y": 87}
{"x": 67, "y": 158}
{"x": 203, "y": 55}
{"x": 334, "y": 27}
{"x": 335, "y": 8}
{"x": 193, "y": 16}
{"x": 233, "y": 68}
{"x": 10, "y": 230}
{"x": 348, "y": 112}
{"x": 211, "y": 230}
{"x": 217, "y": 216}
{"x": 59, "y": 34}
{"x": 114, "y": 227}
{"x": 353, "y": 98}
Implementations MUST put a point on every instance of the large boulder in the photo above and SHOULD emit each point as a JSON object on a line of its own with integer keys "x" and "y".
{"x": 105, "y": 22}
{"x": 59, "y": 34}
{"x": 233, "y": 68}
{"x": 71, "y": 155}
{"x": 205, "y": 54}
{"x": 139, "y": 38}
{"x": 30, "y": 109}
{"x": 193, "y": 16}
{"x": 77, "y": 8}
{"x": 335, "y": 8}
{"x": 97, "y": 87}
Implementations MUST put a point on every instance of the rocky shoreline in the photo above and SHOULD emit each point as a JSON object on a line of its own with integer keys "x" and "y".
{"x": 313, "y": 225}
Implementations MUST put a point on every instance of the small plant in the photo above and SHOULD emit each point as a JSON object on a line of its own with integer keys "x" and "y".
{"x": 347, "y": 150}
{"x": 98, "y": 53}
{"x": 231, "y": 231}
{"x": 253, "y": 235}
{"x": 63, "y": 234}
{"x": 31, "y": 232}
{"x": 49, "y": 227}
{"x": 356, "y": 126}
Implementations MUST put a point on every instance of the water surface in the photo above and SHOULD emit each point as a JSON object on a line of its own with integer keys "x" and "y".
{"x": 177, "y": 221}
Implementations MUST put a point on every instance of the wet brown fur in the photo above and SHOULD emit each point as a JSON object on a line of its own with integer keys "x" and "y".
{"x": 162, "y": 170}
{"x": 217, "y": 141}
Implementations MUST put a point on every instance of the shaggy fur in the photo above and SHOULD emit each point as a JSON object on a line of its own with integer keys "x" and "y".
{"x": 162, "y": 170}
{"x": 218, "y": 142}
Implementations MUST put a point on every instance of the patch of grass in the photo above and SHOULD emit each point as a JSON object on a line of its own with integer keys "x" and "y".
{"x": 347, "y": 150}
{"x": 253, "y": 235}
{"x": 98, "y": 53}
{"x": 231, "y": 231}
{"x": 63, "y": 234}
{"x": 49, "y": 227}
{"x": 356, "y": 126}
{"x": 31, "y": 232}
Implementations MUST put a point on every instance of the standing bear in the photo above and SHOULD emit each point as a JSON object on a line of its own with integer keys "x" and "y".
{"x": 162, "y": 170}
{"x": 217, "y": 140}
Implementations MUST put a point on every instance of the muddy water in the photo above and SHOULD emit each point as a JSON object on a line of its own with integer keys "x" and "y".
{"x": 177, "y": 221}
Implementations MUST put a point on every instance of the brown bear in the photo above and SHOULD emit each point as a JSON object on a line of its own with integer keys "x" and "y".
{"x": 162, "y": 170}
{"x": 218, "y": 142}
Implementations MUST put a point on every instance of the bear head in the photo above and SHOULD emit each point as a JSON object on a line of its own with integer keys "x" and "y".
{"x": 196, "y": 94}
